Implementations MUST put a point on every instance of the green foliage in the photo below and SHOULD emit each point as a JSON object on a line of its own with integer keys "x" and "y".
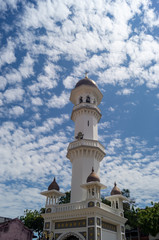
{"x": 129, "y": 210}
{"x": 66, "y": 198}
{"x": 148, "y": 219}
{"x": 33, "y": 220}
{"x": 105, "y": 201}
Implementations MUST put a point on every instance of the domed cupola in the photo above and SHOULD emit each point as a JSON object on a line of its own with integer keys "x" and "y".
{"x": 54, "y": 185}
{"x": 115, "y": 190}
{"x": 85, "y": 81}
{"x": 93, "y": 177}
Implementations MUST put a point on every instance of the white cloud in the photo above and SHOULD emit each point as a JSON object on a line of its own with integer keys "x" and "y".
{"x": 14, "y": 94}
{"x": 111, "y": 109}
{"x": 69, "y": 82}
{"x": 26, "y": 68}
{"x": 59, "y": 101}
{"x": 16, "y": 111}
{"x": 3, "y": 83}
{"x": 125, "y": 91}
{"x": 104, "y": 125}
{"x": 50, "y": 123}
{"x": 7, "y": 54}
{"x": 37, "y": 101}
{"x": 13, "y": 76}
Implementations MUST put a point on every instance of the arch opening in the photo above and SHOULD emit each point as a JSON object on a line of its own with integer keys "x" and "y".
{"x": 71, "y": 238}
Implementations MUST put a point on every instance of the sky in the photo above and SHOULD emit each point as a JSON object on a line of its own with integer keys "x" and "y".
{"x": 45, "y": 49}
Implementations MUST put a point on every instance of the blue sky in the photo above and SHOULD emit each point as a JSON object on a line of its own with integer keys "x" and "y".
{"x": 45, "y": 48}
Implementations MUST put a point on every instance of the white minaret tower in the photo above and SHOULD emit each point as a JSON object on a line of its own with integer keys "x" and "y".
{"x": 85, "y": 151}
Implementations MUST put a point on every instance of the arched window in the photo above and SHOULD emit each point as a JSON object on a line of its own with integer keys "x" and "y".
{"x": 92, "y": 191}
{"x": 88, "y": 99}
{"x": 81, "y": 100}
{"x": 117, "y": 205}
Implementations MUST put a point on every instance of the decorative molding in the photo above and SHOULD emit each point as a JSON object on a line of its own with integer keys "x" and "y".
{"x": 109, "y": 226}
{"x": 71, "y": 224}
{"x": 57, "y": 235}
{"x": 91, "y": 221}
{"x": 71, "y": 234}
{"x": 98, "y": 233}
{"x": 48, "y": 210}
{"x": 91, "y": 233}
{"x": 47, "y": 225}
{"x": 91, "y": 204}
{"x": 98, "y": 221}
{"x": 84, "y": 234}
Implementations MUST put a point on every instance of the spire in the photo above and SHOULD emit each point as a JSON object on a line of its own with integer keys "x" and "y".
{"x": 93, "y": 177}
{"x": 54, "y": 185}
{"x": 86, "y": 72}
{"x": 115, "y": 190}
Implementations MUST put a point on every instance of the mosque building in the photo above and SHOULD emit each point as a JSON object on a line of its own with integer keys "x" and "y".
{"x": 85, "y": 217}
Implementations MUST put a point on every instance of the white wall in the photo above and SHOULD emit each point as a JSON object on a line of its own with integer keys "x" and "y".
{"x": 81, "y": 168}
{"x": 81, "y": 125}
{"x": 108, "y": 235}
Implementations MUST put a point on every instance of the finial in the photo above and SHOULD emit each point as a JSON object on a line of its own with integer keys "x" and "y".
{"x": 86, "y": 72}
{"x": 92, "y": 169}
{"x": 114, "y": 184}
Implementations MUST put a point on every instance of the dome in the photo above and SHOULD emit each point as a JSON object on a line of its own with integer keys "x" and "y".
{"x": 115, "y": 190}
{"x": 85, "y": 81}
{"x": 54, "y": 185}
{"x": 93, "y": 177}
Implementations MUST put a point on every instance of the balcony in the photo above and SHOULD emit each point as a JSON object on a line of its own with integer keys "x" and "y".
{"x": 86, "y": 105}
{"x": 82, "y": 205}
{"x": 86, "y": 143}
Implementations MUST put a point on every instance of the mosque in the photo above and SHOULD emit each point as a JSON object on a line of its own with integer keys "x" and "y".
{"x": 85, "y": 217}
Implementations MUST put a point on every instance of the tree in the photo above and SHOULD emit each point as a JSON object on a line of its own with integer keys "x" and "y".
{"x": 148, "y": 219}
{"x": 105, "y": 201}
{"x": 66, "y": 198}
{"x": 34, "y": 220}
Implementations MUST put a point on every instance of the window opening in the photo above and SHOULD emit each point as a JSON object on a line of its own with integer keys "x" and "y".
{"x": 88, "y": 99}
{"x": 92, "y": 191}
{"x": 81, "y": 99}
{"x": 88, "y": 123}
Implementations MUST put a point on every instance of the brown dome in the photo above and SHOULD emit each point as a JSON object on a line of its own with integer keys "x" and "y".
{"x": 54, "y": 185}
{"x": 93, "y": 177}
{"x": 115, "y": 190}
{"x": 85, "y": 81}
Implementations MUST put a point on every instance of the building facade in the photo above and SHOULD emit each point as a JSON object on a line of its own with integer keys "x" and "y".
{"x": 14, "y": 229}
{"x": 85, "y": 217}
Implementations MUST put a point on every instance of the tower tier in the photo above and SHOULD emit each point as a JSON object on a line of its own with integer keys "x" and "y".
{"x": 84, "y": 154}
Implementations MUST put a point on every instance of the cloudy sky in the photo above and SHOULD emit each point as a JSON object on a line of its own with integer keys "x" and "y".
{"x": 45, "y": 48}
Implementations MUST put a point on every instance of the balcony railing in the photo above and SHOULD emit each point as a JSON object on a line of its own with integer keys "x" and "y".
{"x": 86, "y": 105}
{"x": 86, "y": 142}
{"x": 82, "y": 205}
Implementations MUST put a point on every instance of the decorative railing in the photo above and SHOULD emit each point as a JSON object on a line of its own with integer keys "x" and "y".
{"x": 69, "y": 206}
{"x": 82, "y": 205}
{"x": 86, "y": 142}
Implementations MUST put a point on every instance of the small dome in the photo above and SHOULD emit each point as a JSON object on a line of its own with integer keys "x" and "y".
{"x": 54, "y": 185}
{"x": 115, "y": 190}
{"x": 93, "y": 177}
{"x": 85, "y": 81}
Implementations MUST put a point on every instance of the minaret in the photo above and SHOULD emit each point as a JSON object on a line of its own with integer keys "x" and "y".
{"x": 85, "y": 151}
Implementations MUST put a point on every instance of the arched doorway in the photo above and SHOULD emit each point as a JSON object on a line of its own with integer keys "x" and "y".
{"x": 71, "y": 238}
